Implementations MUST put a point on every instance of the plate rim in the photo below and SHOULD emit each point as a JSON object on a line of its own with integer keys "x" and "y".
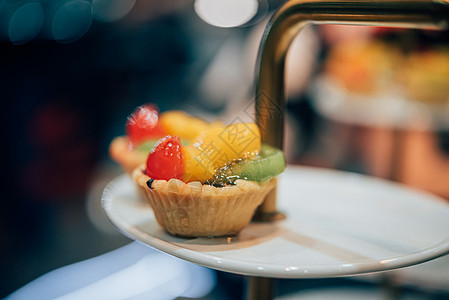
{"x": 249, "y": 268}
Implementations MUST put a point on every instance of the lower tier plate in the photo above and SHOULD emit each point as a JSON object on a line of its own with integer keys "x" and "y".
{"x": 337, "y": 224}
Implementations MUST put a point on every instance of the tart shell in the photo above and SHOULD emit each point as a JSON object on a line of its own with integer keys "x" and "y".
{"x": 197, "y": 210}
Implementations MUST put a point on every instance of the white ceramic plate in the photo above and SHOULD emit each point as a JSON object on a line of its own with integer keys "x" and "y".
{"x": 388, "y": 108}
{"x": 337, "y": 224}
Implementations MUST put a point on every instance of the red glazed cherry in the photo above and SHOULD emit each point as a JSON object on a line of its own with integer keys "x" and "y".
{"x": 143, "y": 124}
{"x": 165, "y": 160}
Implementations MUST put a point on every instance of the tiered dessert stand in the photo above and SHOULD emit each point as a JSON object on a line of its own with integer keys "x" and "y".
{"x": 336, "y": 223}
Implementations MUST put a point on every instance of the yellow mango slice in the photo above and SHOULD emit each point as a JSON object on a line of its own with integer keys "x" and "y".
{"x": 181, "y": 124}
{"x": 218, "y": 146}
{"x": 197, "y": 166}
{"x": 240, "y": 140}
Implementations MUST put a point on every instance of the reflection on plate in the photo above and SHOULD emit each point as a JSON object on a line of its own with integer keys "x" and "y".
{"x": 385, "y": 109}
{"x": 430, "y": 276}
{"x": 337, "y": 224}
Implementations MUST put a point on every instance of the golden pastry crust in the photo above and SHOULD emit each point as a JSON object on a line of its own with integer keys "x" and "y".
{"x": 197, "y": 210}
{"x": 121, "y": 151}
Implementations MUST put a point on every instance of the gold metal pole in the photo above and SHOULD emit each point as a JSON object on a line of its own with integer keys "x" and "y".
{"x": 293, "y": 16}
{"x": 260, "y": 288}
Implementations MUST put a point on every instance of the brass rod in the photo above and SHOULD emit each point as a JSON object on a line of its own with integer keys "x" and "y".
{"x": 260, "y": 288}
{"x": 294, "y": 15}
{"x": 286, "y": 24}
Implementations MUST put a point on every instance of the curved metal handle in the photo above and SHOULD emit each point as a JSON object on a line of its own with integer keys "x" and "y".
{"x": 294, "y": 15}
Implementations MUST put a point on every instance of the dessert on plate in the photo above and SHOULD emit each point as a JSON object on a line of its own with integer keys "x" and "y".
{"x": 425, "y": 74}
{"x": 362, "y": 66}
{"x": 413, "y": 64}
{"x": 208, "y": 182}
{"x": 145, "y": 126}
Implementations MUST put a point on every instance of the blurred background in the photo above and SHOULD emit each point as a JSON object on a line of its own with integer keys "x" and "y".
{"x": 71, "y": 71}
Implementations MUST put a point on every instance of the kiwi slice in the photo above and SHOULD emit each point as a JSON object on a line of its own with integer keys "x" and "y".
{"x": 268, "y": 164}
{"x": 147, "y": 146}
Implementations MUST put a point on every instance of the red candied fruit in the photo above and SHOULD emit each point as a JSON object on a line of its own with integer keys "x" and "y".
{"x": 165, "y": 160}
{"x": 143, "y": 124}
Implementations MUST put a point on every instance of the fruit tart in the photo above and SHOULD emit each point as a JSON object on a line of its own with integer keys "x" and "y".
{"x": 211, "y": 186}
{"x": 393, "y": 62}
{"x": 145, "y": 126}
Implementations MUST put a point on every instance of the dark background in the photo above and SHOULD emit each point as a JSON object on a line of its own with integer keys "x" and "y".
{"x": 63, "y": 102}
{"x": 62, "y": 105}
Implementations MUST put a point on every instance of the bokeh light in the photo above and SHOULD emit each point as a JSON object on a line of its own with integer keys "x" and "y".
{"x": 226, "y": 13}
{"x": 25, "y": 23}
{"x": 71, "y": 21}
{"x": 111, "y": 10}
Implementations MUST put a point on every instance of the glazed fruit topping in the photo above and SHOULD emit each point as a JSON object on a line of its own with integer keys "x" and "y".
{"x": 143, "y": 124}
{"x": 216, "y": 147}
{"x": 165, "y": 160}
{"x": 218, "y": 157}
{"x": 268, "y": 164}
{"x": 181, "y": 124}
